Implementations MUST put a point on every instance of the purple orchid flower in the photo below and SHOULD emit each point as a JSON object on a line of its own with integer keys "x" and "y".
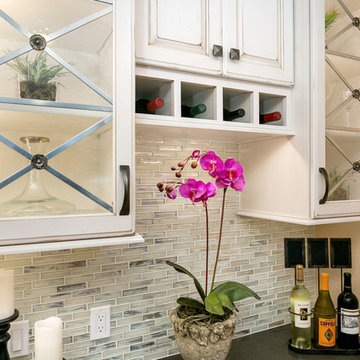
{"x": 193, "y": 190}
{"x": 209, "y": 192}
{"x": 212, "y": 163}
{"x": 196, "y": 154}
{"x": 231, "y": 175}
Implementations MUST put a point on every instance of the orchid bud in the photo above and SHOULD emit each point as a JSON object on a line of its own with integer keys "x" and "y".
{"x": 194, "y": 164}
{"x": 181, "y": 164}
{"x": 160, "y": 186}
{"x": 178, "y": 174}
{"x": 173, "y": 168}
{"x": 169, "y": 188}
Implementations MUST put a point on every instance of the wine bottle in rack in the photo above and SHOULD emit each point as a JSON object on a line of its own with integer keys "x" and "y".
{"x": 232, "y": 115}
{"x": 270, "y": 117}
{"x": 192, "y": 111}
{"x": 300, "y": 308}
{"x": 348, "y": 316}
{"x": 145, "y": 106}
{"x": 324, "y": 317}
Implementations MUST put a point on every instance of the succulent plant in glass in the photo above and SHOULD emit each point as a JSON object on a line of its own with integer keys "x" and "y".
{"x": 36, "y": 76}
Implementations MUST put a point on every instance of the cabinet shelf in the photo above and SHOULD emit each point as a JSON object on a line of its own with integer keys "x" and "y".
{"x": 177, "y": 127}
{"x": 53, "y": 107}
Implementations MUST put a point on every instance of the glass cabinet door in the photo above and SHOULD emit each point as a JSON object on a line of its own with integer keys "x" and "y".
{"x": 342, "y": 107}
{"x": 65, "y": 146}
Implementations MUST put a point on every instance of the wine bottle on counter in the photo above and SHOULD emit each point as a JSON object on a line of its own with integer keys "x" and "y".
{"x": 145, "y": 106}
{"x": 348, "y": 320}
{"x": 232, "y": 115}
{"x": 192, "y": 111}
{"x": 300, "y": 308}
{"x": 324, "y": 317}
{"x": 270, "y": 117}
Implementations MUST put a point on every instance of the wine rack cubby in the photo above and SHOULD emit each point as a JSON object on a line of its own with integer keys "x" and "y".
{"x": 194, "y": 94}
{"x": 216, "y": 93}
{"x": 238, "y": 99}
{"x": 152, "y": 88}
{"x": 269, "y": 103}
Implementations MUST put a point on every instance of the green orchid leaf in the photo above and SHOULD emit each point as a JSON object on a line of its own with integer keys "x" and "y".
{"x": 182, "y": 270}
{"x": 193, "y": 303}
{"x": 213, "y": 304}
{"x": 235, "y": 291}
{"x": 225, "y": 301}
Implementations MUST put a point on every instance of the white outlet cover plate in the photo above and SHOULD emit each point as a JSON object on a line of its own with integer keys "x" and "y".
{"x": 100, "y": 322}
{"x": 18, "y": 344}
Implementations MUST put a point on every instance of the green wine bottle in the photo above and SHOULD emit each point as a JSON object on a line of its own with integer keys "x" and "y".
{"x": 300, "y": 304}
{"x": 324, "y": 317}
{"x": 192, "y": 111}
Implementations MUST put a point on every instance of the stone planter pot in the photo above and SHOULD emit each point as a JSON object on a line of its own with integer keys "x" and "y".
{"x": 197, "y": 342}
{"x": 31, "y": 90}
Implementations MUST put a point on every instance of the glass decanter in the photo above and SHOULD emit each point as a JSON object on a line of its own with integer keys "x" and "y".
{"x": 35, "y": 200}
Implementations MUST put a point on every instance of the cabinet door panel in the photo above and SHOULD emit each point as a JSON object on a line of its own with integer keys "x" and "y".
{"x": 262, "y": 30}
{"x": 64, "y": 147}
{"x": 338, "y": 140}
{"x": 181, "y": 33}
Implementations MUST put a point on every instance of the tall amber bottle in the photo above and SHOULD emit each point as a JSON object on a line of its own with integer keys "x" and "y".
{"x": 324, "y": 317}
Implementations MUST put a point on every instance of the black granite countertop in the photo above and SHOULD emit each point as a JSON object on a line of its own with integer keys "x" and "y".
{"x": 270, "y": 345}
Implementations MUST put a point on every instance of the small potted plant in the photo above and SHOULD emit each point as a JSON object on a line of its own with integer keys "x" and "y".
{"x": 204, "y": 326}
{"x": 35, "y": 76}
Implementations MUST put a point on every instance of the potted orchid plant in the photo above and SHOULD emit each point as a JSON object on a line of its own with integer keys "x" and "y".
{"x": 204, "y": 326}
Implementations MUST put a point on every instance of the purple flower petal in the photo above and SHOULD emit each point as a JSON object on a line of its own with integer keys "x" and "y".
{"x": 211, "y": 163}
{"x": 192, "y": 190}
{"x": 238, "y": 184}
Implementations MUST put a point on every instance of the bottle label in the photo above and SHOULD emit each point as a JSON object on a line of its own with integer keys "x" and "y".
{"x": 327, "y": 332}
{"x": 349, "y": 324}
{"x": 303, "y": 308}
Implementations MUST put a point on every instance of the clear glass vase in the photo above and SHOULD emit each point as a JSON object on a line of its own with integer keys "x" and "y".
{"x": 35, "y": 200}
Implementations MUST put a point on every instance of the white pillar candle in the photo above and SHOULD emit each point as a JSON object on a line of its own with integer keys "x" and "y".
{"x": 6, "y": 293}
{"x": 48, "y": 339}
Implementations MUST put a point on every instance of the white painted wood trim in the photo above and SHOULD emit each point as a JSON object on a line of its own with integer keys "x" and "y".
{"x": 71, "y": 244}
{"x": 299, "y": 221}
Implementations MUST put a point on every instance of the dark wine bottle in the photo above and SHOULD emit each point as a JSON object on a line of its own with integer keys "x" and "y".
{"x": 192, "y": 111}
{"x": 270, "y": 117}
{"x": 145, "y": 106}
{"x": 232, "y": 115}
{"x": 348, "y": 320}
{"x": 324, "y": 317}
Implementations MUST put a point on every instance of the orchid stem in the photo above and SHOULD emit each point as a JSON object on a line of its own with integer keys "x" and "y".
{"x": 207, "y": 248}
{"x": 219, "y": 242}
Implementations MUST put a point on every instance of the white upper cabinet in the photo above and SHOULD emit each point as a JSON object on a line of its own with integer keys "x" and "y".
{"x": 258, "y": 40}
{"x": 178, "y": 34}
{"x": 247, "y": 39}
{"x": 66, "y": 141}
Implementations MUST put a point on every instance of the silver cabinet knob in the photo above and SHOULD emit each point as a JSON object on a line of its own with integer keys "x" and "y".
{"x": 217, "y": 50}
{"x": 234, "y": 54}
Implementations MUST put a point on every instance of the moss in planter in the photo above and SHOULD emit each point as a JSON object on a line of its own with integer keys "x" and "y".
{"x": 31, "y": 90}
{"x": 189, "y": 314}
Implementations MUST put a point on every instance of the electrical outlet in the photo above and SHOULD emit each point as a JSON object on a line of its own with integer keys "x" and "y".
{"x": 19, "y": 342}
{"x": 100, "y": 322}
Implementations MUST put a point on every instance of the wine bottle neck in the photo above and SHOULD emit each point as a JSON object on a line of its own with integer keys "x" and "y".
{"x": 347, "y": 289}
